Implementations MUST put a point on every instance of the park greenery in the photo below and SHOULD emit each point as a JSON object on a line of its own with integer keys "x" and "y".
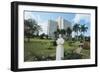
{"x": 40, "y": 47}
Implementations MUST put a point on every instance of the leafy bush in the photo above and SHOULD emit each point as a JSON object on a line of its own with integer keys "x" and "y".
{"x": 86, "y": 45}
{"x": 42, "y": 58}
{"x": 70, "y": 43}
{"x": 72, "y": 55}
{"x": 54, "y": 43}
{"x": 50, "y": 48}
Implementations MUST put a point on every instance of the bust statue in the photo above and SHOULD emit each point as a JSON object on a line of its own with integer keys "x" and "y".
{"x": 60, "y": 48}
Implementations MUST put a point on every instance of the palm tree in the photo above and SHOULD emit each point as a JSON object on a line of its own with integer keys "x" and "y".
{"x": 76, "y": 29}
{"x": 83, "y": 29}
{"x": 58, "y": 31}
{"x": 69, "y": 32}
{"x": 62, "y": 32}
{"x": 56, "y": 34}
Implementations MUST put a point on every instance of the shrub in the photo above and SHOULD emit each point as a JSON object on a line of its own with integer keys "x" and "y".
{"x": 70, "y": 43}
{"x": 72, "y": 55}
{"x": 54, "y": 43}
{"x": 50, "y": 48}
{"x": 86, "y": 45}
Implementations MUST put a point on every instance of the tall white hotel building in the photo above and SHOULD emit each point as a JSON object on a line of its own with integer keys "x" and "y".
{"x": 60, "y": 23}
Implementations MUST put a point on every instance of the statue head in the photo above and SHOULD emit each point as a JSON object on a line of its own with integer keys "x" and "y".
{"x": 59, "y": 35}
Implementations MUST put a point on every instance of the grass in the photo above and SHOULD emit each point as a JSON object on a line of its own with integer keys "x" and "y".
{"x": 43, "y": 49}
{"x": 38, "y": 48}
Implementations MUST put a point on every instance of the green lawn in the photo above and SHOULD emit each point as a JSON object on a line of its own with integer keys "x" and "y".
{"x": 43, "y": 49}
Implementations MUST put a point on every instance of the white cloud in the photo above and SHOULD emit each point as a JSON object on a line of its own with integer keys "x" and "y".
{"x": 29, "y": 15}
{"x": 79, "y": 17}
{"x": 42, "y": 23}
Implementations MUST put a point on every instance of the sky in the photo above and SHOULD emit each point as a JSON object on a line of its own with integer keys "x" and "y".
{"x": 43, "y": 17}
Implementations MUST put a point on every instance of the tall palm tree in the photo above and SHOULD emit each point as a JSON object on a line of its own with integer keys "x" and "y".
{"x": 76, "y": 29}
{"x": 83, "y": 29}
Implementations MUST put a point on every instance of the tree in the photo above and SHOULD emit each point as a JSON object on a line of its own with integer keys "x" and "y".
{"x": 42, "y": 36}
{"x": 62, "y": 32}
{"x": 56, "y": 34}
{"x": 69, "y": 32}
{"x": 30, "y": 27}
{"x": 83, "y": 29}
{"x": 59, "y": 31}
{"x": 38, "y": 29}
{"x": 76, "y": 29}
